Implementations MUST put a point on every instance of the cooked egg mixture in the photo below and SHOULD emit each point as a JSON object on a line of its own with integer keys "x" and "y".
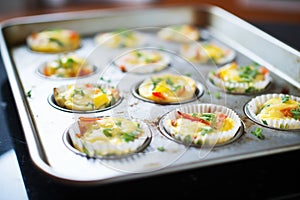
{"x": 168, "y": 88}
{"x": 119, "y": 39}
{"x": 232, "y": 73}
{"x": 203, "y": 52}
{"x": 85, "y": 97}
{"x": 279, "y": 108}
{"x": 67, "y": 66}
{"x": 191, "y": 128}
{"x": 179, "y": 33}
{"x": 143, "y": 57}
{"x": 108, "y": 132}
{"x": 57, "y": 40}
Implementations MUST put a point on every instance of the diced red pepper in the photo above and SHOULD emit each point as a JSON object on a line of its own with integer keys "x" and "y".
{"x": 196, "y": 119}
{"x": 158, "y": 95}
{"x": 74, "y": 35}
{"x": 122, "y": 68}
{"x": 287, "y": 112}
{"x": 264, "y": 70}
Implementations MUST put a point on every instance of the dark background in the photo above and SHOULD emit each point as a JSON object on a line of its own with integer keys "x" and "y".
{"x": 269, "y": 177}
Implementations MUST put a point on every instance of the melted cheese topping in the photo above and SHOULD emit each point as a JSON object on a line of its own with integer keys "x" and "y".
{"x": 189, "y": 129}
{"x": 85, "y": 97}
{"x": 107, "y": 135}
{"x": 168, "y": 88}
{"x": 179, "y": 33}
{"x": 67, "y": 66}
{"x": 54, "y": 41}
{"x": 119, "y": 39}
{"x": 275, "y": 108}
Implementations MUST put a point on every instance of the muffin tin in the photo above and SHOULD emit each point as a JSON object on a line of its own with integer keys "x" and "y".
{"x": 47, "y": 127}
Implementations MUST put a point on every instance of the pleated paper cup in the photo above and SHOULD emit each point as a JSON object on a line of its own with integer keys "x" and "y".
{"x": 255, "y": 105}
{"x": 216, "y": 137}
{"x": 101, "y": 149}
{"x": 240, "y": 88}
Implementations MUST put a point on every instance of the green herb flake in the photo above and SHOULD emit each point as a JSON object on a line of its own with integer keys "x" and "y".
{"x": 258, "y": 133}
{"x": 285, "y": 99}
{"x": 188, "y": 74}
{"x": 107, "y": 132}
{"x": 29, "y": 93}
{"x": 265, "y": 122}
{"x": 218, "y": 95}
{"x": 296, "y": 113}
{"x": 128, "y": 137}
{"x": 162, "y": 149}
{"x": 118, "y": 123}
{"x": 58, "y": 42}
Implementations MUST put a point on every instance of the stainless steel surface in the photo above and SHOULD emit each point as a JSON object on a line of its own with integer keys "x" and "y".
{"x": 44, "y": 126}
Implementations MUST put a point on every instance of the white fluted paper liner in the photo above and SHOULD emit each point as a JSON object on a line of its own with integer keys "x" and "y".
{"x": 256, "y": 103}
{"x": 235, "y": 87}
{"x": 102, "y": 149}
{"x": 144, "y": 68}
{"x": 210, "y": 138}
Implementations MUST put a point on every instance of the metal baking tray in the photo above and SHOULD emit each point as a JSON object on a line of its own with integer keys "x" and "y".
{"x": 45, "y": 126}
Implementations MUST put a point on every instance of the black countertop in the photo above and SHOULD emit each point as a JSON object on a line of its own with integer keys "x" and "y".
{"x": 269, "y": 177}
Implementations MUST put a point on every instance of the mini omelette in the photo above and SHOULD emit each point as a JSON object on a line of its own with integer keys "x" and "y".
{"x": 105, "y": 136}
{"x": 207, "y": 52}
{"x": 279, "y": 108}
{"x": 168, "y": 88}
{"x": 85, "y": 97}
{"x": 143, "y": 61}
{"x": 54, "y": 41}
{"x": 120, "y": 39}
{"x": 179, "y": 33}
{"x": 192, "y": 128}
{"x": 241, "y": 79}
{"x": 67, "y": 66}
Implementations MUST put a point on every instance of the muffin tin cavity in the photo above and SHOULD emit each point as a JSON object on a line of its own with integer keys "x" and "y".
{"x": 85, "y": 98}
{"x": 181, "y": 125}
{"x": 101, "y": 147}
{"x": 198, "y": 93}
{"x": 275, "y": 111}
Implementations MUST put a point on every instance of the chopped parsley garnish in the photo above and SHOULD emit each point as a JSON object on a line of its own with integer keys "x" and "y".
{"x": 105, "y": 80}
{"x": 258, "y": 133}
{"x": 79, "y": 91}
{"x": 29, "y": 93}
{"x": 296, "y": 113}
{"x": 155, "y": 82}
{"x": 208, "y": 116}
{"x": 250, "y": 89}
{"x": 128, "y": 136}
{"x": 161, "y": 149}
{"x": 70, "y": 62}
{"x": 118, "y": 123}
{"x": 58, "y": 42}
{"x": 248, "y": 73}
{"x": 218, "y": 95}
{"x": 265, "y": 122}
{"x": 187, "y": 74}
{"x": 285, "y": 99}
{"x": 205, "y": 130}
{"x": 107, "y": 132}
{"x": 138, "y": 54}
{"x": 169, "y": 81}
{"x": 187, "y": 139}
